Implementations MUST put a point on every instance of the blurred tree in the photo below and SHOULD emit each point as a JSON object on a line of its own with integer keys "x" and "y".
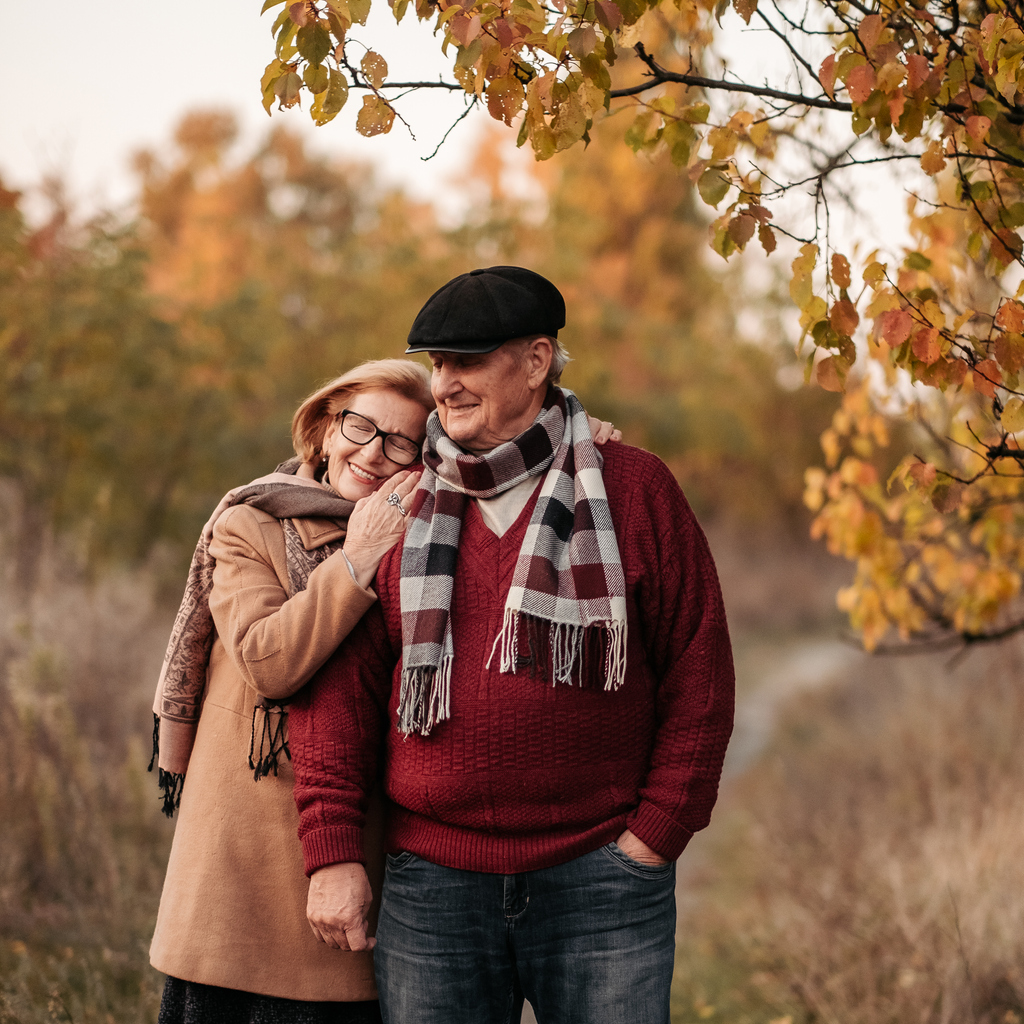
{"x": 149, "y": 368}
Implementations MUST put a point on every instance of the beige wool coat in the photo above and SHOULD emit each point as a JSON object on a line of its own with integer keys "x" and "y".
{"x": 233, "y": 908}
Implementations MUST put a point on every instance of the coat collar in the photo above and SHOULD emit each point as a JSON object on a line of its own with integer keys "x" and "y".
{"x": 315, "y": 532}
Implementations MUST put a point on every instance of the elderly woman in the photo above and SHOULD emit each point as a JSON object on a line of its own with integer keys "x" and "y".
{"x": 283, "y": 580}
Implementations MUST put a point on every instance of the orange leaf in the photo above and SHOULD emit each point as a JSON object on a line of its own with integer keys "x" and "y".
{"x": 897, "y": 101}
{"x": 1010, "y": 316}
{"x": 987, "y": 378}
{"x": 502, "y": 32}
{"x": 946, "y": 498}
{"x": 978, "y": 126}
{"x": 861, "y": 82}
{"x": 917, "y": 71}
{"x": 926, "y": 345}
{"x": 827, "y": 75}
{"x": 1005, "y": 245}
{"x": 895, "y": 326}
{"x": 827, "y": 375}
{"x": 504, "y": 99}
{"x": 922, "y": 473}
{"x": 869, "y": 31}
{"x": 840, "y": 270}
{"x": 932, "y": 160}
{"x": 844, "y": 317}
{"x": 1009, "y": 351}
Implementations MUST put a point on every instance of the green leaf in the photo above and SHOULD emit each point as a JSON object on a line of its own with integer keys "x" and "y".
{"x": 268, "y": 4}
{"x": 1013, "y": 416}
{"x": 360, "y": 10}
{"x": 314, "y": 42}
{"x": 713, "y": 186}
{"x": 982, "y": 191}
{"x": 469, "y": 55}
{"x": 285, "y": 47}
{"x": 918, "y": 261}
{"x": 315, "y": 77}
{"x": 696, "y": 113}
{"x": 328, "y": 103}
{"x": 636, "y": 136}
{"x": 679, "y": 138}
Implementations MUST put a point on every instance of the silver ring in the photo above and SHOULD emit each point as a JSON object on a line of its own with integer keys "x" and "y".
{"x": 394, "y": 499}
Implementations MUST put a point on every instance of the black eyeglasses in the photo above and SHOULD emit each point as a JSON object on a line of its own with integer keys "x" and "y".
{"x": 359, "y": 430}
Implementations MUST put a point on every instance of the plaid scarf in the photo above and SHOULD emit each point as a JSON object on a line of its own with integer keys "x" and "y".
{"x": 567, "y": 602}
{"x": 179, "y": 690}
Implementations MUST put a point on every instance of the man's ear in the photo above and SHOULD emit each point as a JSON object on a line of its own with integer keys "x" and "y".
{"x": 539, "y": 353}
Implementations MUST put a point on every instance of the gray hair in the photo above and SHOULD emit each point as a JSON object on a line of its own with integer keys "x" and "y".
{"x": 560, "y": 357}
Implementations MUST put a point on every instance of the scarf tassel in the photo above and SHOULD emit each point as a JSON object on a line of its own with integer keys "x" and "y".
{"x": 170, "y": 784}
{"x": 425, "y": 697}
{"x": 573, "y": 650}
{"x": 273, "y": 739}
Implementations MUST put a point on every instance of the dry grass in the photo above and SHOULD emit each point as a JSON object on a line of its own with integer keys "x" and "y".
{"x": 868, "y": 870}
{"x": 83, "y": 844}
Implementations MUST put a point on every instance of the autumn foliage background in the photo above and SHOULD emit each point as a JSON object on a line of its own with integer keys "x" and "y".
{"x": 150, "y": 362}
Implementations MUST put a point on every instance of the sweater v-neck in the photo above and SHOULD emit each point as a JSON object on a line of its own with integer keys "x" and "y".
{"x": 486, "y": 551}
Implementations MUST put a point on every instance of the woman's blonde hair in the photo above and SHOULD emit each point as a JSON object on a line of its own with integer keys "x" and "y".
{"x": 312, "y": 418}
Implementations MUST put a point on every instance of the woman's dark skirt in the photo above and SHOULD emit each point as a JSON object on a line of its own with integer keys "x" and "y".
{"x": 187, "y": 1002}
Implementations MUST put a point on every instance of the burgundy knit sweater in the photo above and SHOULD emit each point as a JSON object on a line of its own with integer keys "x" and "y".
{"x": 525, "y": 774}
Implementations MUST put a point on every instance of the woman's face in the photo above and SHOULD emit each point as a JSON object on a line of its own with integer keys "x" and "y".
{"x": 357, "y": 470}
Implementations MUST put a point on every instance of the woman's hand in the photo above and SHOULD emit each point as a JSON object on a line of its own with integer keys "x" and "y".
{"x": 603, "y": 430}
{"x": 375, "y": 526}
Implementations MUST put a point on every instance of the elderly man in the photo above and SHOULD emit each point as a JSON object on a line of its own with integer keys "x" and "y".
{"x": 548, "y": 674}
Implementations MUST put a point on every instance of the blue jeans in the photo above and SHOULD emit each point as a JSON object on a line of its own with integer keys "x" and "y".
{"x": 587, "y": 942}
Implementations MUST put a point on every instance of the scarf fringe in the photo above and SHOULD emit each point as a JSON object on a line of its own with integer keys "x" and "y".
{"x": 273, "y": 739}
{"x": 170, "y": 784}
{"x": 570, "y": 647}
{"x": 425, "y": 697}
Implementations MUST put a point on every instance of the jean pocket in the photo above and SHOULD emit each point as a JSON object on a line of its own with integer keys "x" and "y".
{"x": 635, "y": 867}
{"x": 397, "y": 861}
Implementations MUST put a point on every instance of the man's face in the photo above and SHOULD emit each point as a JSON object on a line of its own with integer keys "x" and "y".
{"x": 485, "y": 400}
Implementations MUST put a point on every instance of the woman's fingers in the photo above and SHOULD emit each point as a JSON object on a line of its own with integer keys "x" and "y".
{"x": 406, "y": 486}
{"x": 603, "y": 430}
{"x": 401, "y": 483}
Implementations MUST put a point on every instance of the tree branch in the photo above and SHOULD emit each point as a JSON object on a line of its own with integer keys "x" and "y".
{"x": 661, "y": 76}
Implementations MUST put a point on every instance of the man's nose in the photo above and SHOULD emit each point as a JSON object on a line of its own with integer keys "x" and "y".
{"x": 446, "y": 383}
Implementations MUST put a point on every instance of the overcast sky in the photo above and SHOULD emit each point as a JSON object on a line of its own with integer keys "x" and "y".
{"x": 97, "y": 80}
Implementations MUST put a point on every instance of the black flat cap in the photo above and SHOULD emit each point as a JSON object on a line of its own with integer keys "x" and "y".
{"x": 478, "y": 311}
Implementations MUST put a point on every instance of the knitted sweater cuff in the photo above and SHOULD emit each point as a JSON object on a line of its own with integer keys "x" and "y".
{"x": 337, "y": 845}
{"x": 655, "y": 828}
